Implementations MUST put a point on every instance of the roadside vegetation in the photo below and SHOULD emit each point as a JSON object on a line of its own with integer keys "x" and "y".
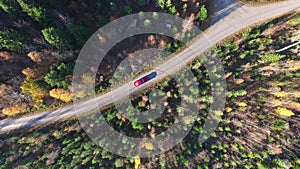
{"x": 259, "y": 127}
{"x": 259, "y": 2}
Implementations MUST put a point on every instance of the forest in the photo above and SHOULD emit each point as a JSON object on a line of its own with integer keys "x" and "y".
{"x": 40, "y": 41}
{"x": 259, "y": 127}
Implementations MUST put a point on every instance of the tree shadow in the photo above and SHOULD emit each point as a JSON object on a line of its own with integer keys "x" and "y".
{"x": 223, "y": 8}
{"x": 32, "y": 123}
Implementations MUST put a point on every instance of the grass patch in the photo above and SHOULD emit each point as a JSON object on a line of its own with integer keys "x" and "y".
{"x": 296, "y": 20}
{"x": 259, "y": 2}
{"x": 271, "y": 58}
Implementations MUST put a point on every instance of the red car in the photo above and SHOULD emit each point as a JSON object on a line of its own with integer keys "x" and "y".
{"x": 145, "y": 79}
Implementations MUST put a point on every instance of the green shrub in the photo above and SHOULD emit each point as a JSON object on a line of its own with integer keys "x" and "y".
{"x": 37, "y": 13}
{"x": 56, "y": 77}
{"x": 168, "y": 3}
{"x": 202, "y": 13}
{"x": 281, "y": 163}
{"x": 57, "y": 38}
{"x": 11, "y": 40}
{"x": 237, "y": 93}
{"x": 80, "y": 33}
{"x": 271, "y": 58}
{"x": 119, "y": 163}
{"x": 10, "y": 7}
{"x": 128, "y": 10}
{"x": 295, "y": 20}
{"x": 147, "y": 23}
{"x": 173, "y": 10}
{"x": 136, "y": 125}
{"x": 160, "y": 3}
{"x": 279, "y": 125}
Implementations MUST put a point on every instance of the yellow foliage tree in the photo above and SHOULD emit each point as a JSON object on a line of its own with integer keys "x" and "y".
{"x": 281, "y": 94}
{"x": 284, "y": 112}
{"x": 14, "y": 110}
{"x": 61, "y": 94}
{"x": 228, "y": 109}
{"x": 137, "y": 162}
{"x": 34, "y": 90}
{"x": 241, "y": 104}
{"x": 149, "y": 146}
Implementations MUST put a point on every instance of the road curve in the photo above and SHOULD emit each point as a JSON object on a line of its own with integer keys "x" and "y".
{"x": 238, "y": 18}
